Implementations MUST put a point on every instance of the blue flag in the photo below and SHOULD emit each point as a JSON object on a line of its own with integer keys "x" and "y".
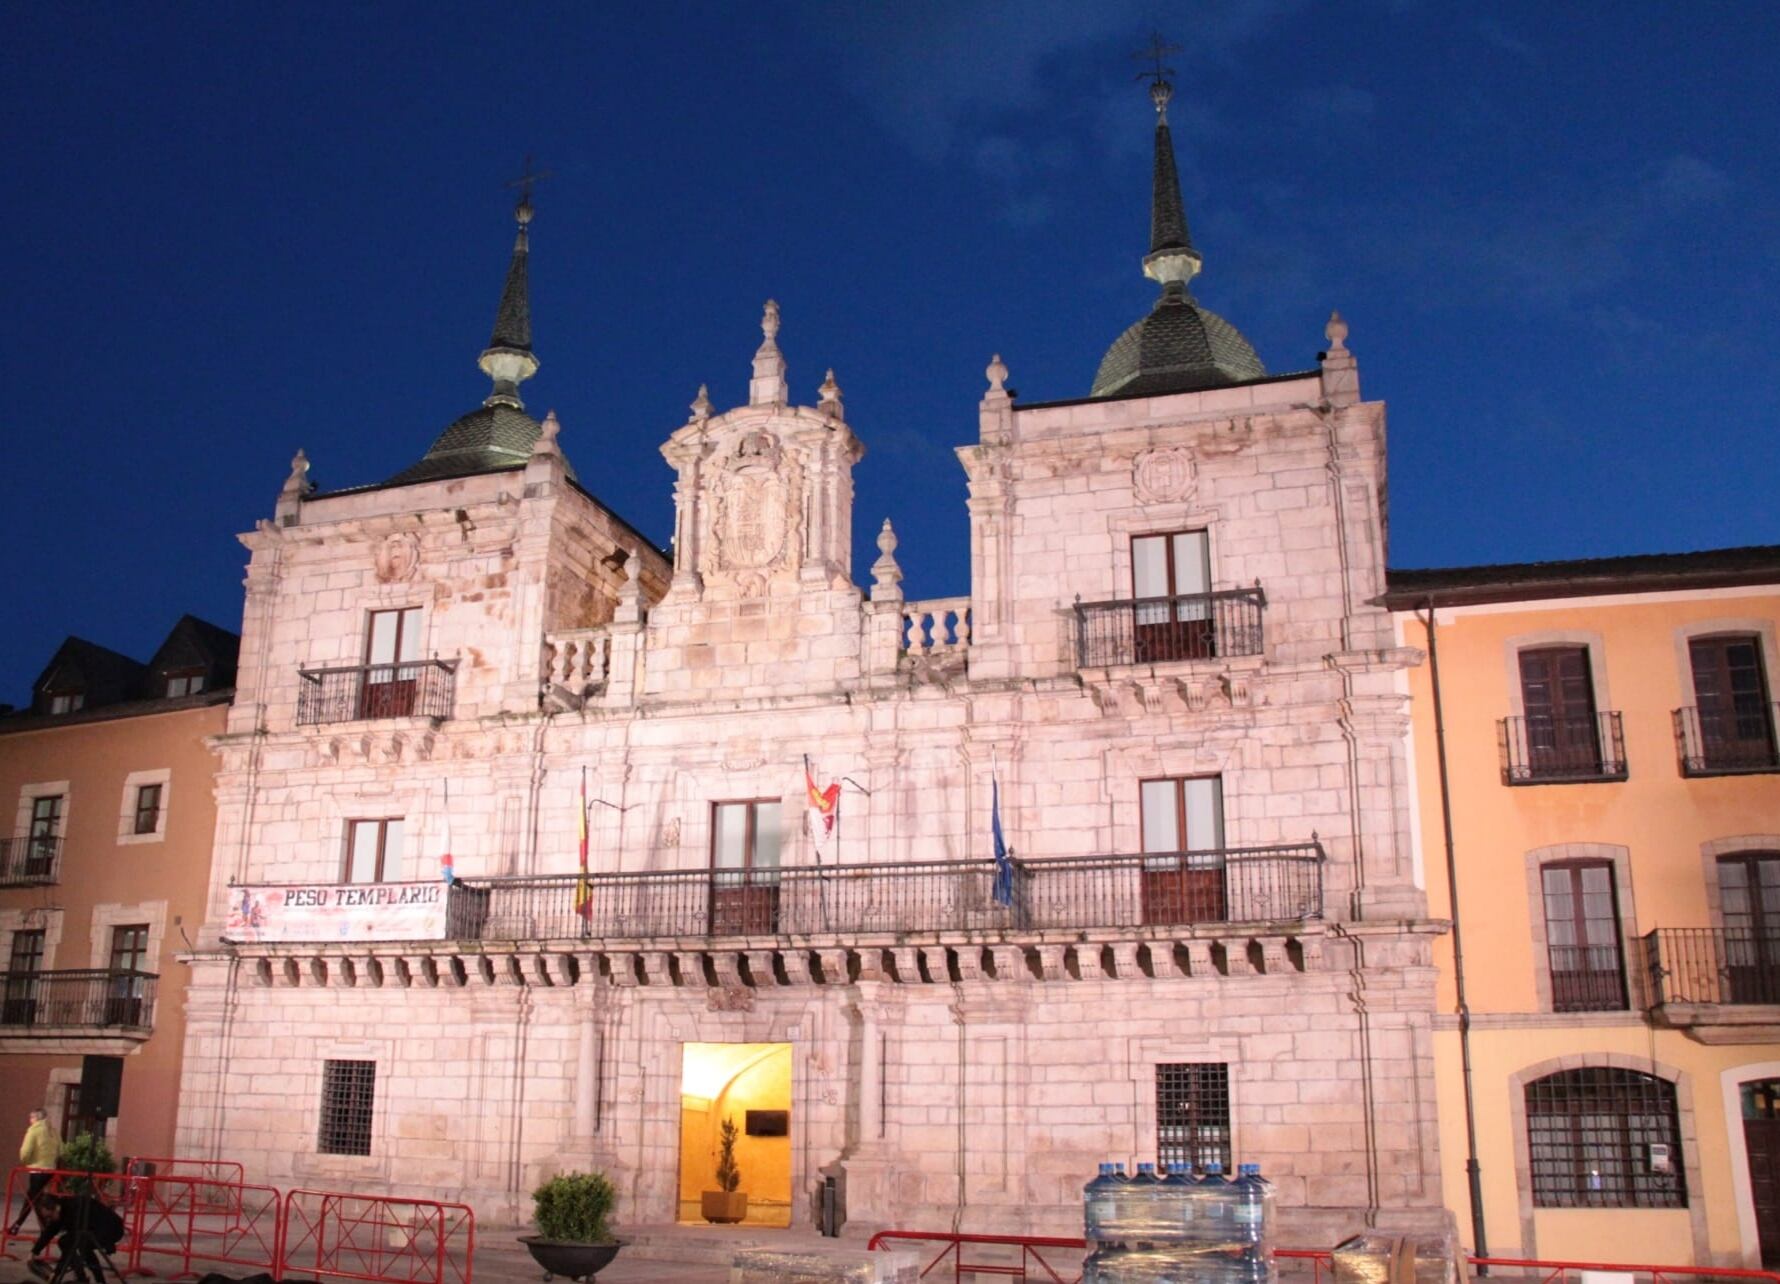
{"x": 1004, "y": 867}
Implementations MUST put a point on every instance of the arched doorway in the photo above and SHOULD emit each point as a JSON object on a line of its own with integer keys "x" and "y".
{"x": 748, "y": 1084}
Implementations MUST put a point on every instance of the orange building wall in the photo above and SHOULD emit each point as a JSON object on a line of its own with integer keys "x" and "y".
{"x": 1662, "y": 819}
{"x": 96, "y": 867}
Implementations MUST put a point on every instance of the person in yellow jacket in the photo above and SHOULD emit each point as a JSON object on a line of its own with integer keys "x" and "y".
{"x": 39, "y": 1151}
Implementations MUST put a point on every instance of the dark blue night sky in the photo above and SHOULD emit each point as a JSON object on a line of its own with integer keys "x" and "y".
{"x": 233, "y": 231}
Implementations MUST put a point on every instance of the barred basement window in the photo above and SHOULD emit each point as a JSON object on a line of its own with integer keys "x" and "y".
{"x": 1604, "y": 1138}
{"x": 1193, "y": 1114}
{"x": 347, "y": 1090}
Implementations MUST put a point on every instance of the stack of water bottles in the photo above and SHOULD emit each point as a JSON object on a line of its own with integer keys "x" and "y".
{"x": 1174, "y": 1228}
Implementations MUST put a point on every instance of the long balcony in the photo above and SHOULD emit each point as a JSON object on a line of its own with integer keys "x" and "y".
{"x": 26, "y": 862}
{"x": 1156, "y": 630}
{"x": 414, "y": 689}
{"x": 1249, "y": 885}
{"x": 77, "y": 1002}
{"x": 1547, "y": 749}
{"x": 1722, "y": 985}
{"x": 1727, "y": 742}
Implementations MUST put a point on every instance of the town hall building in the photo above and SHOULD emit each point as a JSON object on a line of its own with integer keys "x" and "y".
{"x": 1121, "y": 863}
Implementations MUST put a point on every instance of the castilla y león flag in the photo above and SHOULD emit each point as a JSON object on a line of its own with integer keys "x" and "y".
{"x": 823, "y": 811}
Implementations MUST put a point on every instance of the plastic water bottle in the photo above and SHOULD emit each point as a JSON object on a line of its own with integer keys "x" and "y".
{"x": 1252, "y": 1213}
{"x": 1099, "y": 1205}
{"x": 1143, "y": 1226}
{"x": 1211, "y": 1214}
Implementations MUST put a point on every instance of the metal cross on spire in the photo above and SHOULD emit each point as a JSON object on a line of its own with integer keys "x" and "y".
{"x": 525, "y": 181}
{"x": 1160, "y": 75}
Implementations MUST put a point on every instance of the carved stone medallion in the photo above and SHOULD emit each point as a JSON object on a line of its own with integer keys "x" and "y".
{"x": 1164, "y": 475}
{"x": 397, "y": 558}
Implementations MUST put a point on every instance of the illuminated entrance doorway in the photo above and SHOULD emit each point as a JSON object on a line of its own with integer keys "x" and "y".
{"x": 750, "y": 1085}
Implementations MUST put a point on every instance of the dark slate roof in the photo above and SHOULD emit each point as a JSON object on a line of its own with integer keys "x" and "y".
{"x": 486, "y": 440}
{"x": 513, "y": 319}
{"x": 1168, "y": 217}
{"x": 1582, "y": 577}
{"x": 100, "y": 674}
{"x": 1178, "y": 347}
{"x": 195, "y": 643}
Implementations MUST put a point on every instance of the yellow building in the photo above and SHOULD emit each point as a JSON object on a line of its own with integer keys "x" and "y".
{"x": 1595, "y": 770}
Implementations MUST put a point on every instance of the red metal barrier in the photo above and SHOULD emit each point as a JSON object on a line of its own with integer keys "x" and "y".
{"x": 1322, "y": 1261}
{"x": 112, "y": 1188}
{"x": 375, "y": 1238}
{"x": 1557, "y": 1272}
{"x": 195, "y": 1219}
{"x": 219, "y": 1176}
{"x": 1031, "y": 1260}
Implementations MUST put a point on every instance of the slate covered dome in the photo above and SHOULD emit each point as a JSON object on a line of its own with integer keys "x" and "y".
{"x": 1180, "y": 346}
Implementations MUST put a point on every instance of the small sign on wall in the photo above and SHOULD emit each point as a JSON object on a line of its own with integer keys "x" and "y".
{"x": 768, "y": 1123}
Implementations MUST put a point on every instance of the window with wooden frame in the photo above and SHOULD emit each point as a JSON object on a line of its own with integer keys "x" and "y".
{"x": 19, "y": 1004}
{"x": 373, "y": 851}
{"x": 392, "y": 652}
{"x": 127, "y": 986}
{"x": 1749, "y": 906}
{"x": 1170, "y": 587}
{"x": 1602, "y": 1137}
{"x": 66, "y": 701}
{"x": 73, "y": 1122}
{"x": 1731, "y": 699}
{"x": 348, "y": 1096}
{"x": 1182, "y": 820}
{"x": 745, "y": 841}
{"x": 1560, "y": 732}
{"x": 1193, "y": 1114}
{"x": 148, "y": 809}
{"x": 46, "y": 832}
{"x": 1582, "y": 936}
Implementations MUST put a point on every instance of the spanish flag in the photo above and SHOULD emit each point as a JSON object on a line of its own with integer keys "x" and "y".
{"x": 583, "y": 888}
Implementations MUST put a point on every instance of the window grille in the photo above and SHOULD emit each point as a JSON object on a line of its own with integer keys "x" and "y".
{"x": 1599, "y": 1137}
{"x": 1193, "y": 1114}
{"x": 348, "y": 1089}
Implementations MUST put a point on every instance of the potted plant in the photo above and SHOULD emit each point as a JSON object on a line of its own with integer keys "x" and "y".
{"x": 574, "y": 1236}
{"x": 726, "y": 1205}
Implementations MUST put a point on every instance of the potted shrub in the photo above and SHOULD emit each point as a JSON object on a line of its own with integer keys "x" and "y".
{"x": 726, "y": 1204}
{"x": 574, "y": 1238}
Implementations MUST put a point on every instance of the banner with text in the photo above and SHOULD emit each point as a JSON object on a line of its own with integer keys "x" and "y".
{"x": 338, "y": 912}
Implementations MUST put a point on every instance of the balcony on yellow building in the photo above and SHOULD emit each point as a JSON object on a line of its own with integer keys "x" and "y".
{"x": 1719, "y": 985}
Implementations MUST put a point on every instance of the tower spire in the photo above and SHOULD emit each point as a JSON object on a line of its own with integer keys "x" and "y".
{"x": 1172, "y": 260}
{"x": 508, "y": 359}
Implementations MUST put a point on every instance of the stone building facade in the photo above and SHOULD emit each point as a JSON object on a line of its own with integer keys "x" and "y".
{"x": 1167, "y": 686}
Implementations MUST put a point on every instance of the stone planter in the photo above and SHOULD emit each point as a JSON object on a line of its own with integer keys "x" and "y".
{"x": 724, "y": 1207}
{"x": 570, "y": 1258}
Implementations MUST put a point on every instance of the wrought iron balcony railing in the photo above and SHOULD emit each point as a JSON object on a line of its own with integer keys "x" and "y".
{"x": 1587, "y": 978}
{"x": 1546, "y": 749}
{"x": 1151, "y": 630}
{"x": 415, "y": 689}
{"x": 1246, "y": 885}
{"x": 1724, "y": 742}
{"x": 91, "y": 999}
{"x": 30, "y": 860}
{"x": 1713, "y": 965}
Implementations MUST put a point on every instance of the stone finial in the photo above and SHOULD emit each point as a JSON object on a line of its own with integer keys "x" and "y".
{"x": 298, "y": 482}
{"x": 546, "y": 443}
{"x": 1336, "y": 333}
{"x": 633, "y": 568}
{"x": 997, "y": 373}
{"x": 885, "y": 573}
{"x": 630, "y": 593}
{"x": 829, "y": 396}
{"x": 1341, "y": 373}
{"x": 767, "y": 387}
{"x": 701, "y": 405}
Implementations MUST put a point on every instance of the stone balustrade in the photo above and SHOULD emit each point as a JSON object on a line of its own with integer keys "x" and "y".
{"x": 578, "y": 660}
{"x": 936, "y": 630}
